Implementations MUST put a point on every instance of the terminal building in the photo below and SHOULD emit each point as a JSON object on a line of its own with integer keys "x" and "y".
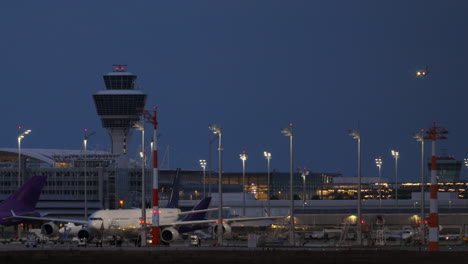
{"x": 110, "y": 186}
{"x": 328, "y": 199}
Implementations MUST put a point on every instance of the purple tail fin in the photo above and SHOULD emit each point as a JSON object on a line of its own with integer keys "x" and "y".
{"x": 203, "y": 204}
{"x": 24, "y": 199}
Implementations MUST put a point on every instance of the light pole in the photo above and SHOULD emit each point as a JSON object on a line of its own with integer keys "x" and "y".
{"x": 268, "y": 158}
{"x": 85, "y": 143}
{"x": 420, "y": 137}
{"x": 218, "y": 130}
{"x": 356, "y": 134}
{"x": 243, "y": 156}
{"x": 288, "y": 131}
{"x": 304, "y": 172}
{"x": 396, "y": 155}
{"x": 21, "y": 135}
{"x": 141, "y": 127}
{"x": 378, "y": 162}
{"x": 203, "y": 165}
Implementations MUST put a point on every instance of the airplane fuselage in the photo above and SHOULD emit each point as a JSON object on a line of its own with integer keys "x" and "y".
{"x": 127, "y": 221}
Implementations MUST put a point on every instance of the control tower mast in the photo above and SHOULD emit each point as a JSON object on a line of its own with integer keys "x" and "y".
{"x": 119, "y": 106}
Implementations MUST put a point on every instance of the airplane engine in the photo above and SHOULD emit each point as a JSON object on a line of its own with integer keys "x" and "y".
{"x": 85, "y": 233}
{"x": 227, "y": 231}
{"x": 49, "y": 229}
{"x": 169, "y": 234}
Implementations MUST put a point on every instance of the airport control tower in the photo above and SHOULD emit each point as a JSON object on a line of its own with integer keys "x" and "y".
{"x": 119, "y": 106}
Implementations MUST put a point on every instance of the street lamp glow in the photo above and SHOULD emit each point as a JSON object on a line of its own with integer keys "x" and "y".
{"x": 396, "y": 155}
{"x": 267, "y": 156}
{"x": 203, "y": 165}
{"x": 356, "y": 134}
{"x": 243, "y": 156}
{"x": 288, "y": 131}
{"x": 218, "y": 130}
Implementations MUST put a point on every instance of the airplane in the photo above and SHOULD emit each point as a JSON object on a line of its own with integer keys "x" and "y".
{"x": 23, "y": 201}
{"x": 422, "y": 73}
{"x": 126, "y": 222}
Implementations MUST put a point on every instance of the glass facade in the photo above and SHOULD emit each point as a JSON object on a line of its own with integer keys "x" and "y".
{"x": 448, "y": 169}
{"x": 120, "y": 82}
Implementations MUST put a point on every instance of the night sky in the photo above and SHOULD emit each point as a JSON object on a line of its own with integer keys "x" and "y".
{"x": 250, "y": 66}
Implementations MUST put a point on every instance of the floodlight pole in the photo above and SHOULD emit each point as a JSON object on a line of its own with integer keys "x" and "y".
{"x": 304, "y": 172}
{"x": 289, "y": 133}
{"x": 243, "y": 156}
{"x": 420, "y": 137}
{"x": 203, "y": 165}
{"x": 21, "y": 135}
{"x": 85, "y": 143}
{"x": 378, "y": 162}
{"x": 268, "y": 157}
{"x": 396, "y": 155}
{"x": 356, "y": 134}
{"x": 141, "y": 127}
{"x": 218, "y": 130}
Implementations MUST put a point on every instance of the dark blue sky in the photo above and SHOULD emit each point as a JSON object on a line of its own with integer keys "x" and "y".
{"x": 250, "y": 66}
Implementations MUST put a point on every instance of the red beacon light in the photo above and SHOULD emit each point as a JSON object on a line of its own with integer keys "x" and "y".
{"x": 119, "y": 67}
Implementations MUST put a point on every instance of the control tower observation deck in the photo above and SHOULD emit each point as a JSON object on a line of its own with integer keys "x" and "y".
{"x": 119, "y": 106}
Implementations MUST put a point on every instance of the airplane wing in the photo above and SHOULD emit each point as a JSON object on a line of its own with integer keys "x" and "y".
{"x": 13, "y": 215}
{"x": 200, "y": 211}
{"x": 226, "y": 220}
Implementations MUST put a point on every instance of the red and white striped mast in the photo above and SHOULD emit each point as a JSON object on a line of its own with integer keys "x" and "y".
{"x": 433, "y": 134}
{"x": 151, "y": 118}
